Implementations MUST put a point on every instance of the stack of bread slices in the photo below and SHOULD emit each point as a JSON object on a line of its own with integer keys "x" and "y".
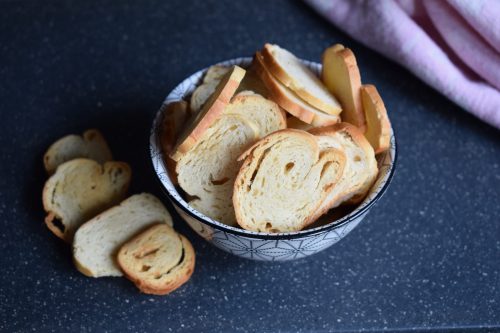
{"x": 274, "y": 147}
{"x": 111, "y": 236}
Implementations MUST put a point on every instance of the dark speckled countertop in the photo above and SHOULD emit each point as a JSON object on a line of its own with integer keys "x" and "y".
{"x": 427, "y": 257}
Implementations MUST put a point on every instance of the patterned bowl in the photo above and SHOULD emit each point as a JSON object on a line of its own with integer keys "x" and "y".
{"x": 259, "y": 245}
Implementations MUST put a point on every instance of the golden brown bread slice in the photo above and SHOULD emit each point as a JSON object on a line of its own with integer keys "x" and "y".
{"x": 283, "y": 180}
{"x": 378, "y": 126}
{"x": 97, "y": 241}
{"x": 360, "y": 169}
{"x": 203, "y": 92}
{"x": 174, "y": 119}
{"x": 158, "y": 260}
{"x": 206, "y": 173}
{"x": 251, "y": 82}
{"x": 295, "y": 75}
{"x": 210, "y": 112}
{"x": 208, "y": 170}
{"x": 90, "y": 145}
{"x": 341, "y": 76}
{"x": 81, "y": 189}
{"x": 287, "y": 99}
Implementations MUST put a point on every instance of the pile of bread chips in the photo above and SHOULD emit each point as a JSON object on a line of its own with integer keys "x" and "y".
{"x": 274, "y": 147}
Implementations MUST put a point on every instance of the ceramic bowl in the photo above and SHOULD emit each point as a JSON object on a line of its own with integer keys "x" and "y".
{"x": 259, "y": 245}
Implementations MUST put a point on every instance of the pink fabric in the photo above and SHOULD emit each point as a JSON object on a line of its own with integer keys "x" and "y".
{"x": 452, "y": 45}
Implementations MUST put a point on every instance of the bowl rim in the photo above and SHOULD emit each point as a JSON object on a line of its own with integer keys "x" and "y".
{"x": 154, "y": 139}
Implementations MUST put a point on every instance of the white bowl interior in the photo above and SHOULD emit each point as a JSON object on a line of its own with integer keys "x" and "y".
{"x": 185, "y": 88}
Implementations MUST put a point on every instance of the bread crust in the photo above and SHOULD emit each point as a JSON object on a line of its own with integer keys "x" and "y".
{"x": 378, "y": 131}
{"x": 210, "y": 112}
{"x": 203, "y": 92}
{"x": 49, "y": 218}
{"x": 89, "y": 137}
{"x": 355, "y": 115}
{"x": 181, "y": 277}
{"x": 281, "y": 74}
{"x": 279, "y": 95}
{"x": 82, "y": 269}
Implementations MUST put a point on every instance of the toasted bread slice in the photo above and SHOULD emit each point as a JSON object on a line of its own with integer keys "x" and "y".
{"x": 341, "y": 76}
{"x": 210, "y": 112}
{"x": 283, "y": 180}
{"x": 295, "y": 75}
{"x": 201, "y": 95}
{"x": 97, "y": 241}
{"x": 81, "y": 189}
{"x": 207, "y": 172}
{"x": 90, "y": 145}
{"x": 361, "y": 166}
{"x": 203, "y": 92}
{"x": 158, "y": 260}
{"x": 287, "y": 99}
{"x": 174, "y": 119}
{"x": 378, "y": 126}
{"x": 215, "y": 73}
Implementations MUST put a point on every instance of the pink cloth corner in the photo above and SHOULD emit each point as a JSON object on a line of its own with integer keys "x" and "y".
{"x": 451, "y": 45}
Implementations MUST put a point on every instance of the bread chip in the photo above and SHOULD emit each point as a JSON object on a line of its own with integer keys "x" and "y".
{"x": 90, "y": 145}
{"x": 295, "y": 75}
{"x": 215, "y": 73}
{"x": 97, "y": 241}
{"x": 81, "y": 189}
{"x": 361, "y": 166}
{"x": 210, "y": 112}
{"x": 158, "y": 261}
{"x": 283, "y": 180}
{"x": 378, "y": 126}
{"x": 203, "y": 92}
{"x": 289, "y": 101}
{"x": 341, "y": 76}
